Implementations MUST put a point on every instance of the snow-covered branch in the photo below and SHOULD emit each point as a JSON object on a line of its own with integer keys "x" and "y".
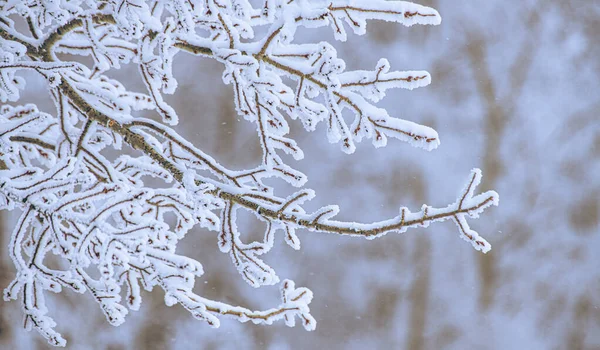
{"x": 96, "y": 211}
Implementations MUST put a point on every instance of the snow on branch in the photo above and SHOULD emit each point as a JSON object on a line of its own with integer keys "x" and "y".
{"x": 95, "y": 210}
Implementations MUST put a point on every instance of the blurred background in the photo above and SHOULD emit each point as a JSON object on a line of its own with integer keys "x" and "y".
{"x": 516, "y": 92}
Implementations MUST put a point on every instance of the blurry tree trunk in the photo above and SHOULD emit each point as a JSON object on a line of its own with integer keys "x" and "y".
{"x": 500, "y": 110}
{"x": 494, "y": 124}
{"x": 419, "y": 294}
{"x": 5, "y": 276}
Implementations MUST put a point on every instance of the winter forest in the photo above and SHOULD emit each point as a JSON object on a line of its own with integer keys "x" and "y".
{"x": 268, "y": 174}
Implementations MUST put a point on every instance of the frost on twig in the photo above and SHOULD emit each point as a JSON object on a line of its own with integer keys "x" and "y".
{"x": 96, "y": 211}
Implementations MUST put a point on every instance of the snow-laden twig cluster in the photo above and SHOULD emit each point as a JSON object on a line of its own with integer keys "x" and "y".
{"x": 96, "y": 212}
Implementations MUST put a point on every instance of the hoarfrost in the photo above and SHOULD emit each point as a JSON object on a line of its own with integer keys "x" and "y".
{"x": 96, "y": 212}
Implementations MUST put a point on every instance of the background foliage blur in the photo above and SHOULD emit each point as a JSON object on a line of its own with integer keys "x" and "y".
{"x": 515, "y": 92}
